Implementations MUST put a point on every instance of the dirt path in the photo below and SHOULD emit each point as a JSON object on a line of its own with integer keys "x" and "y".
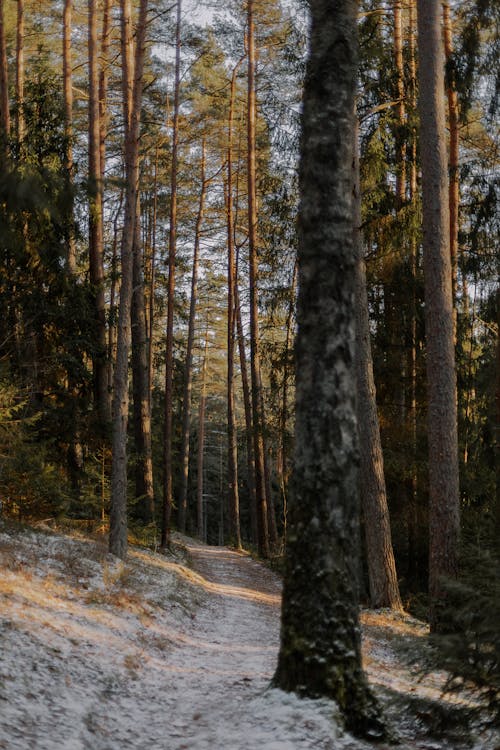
{"x": 159, "y": 656}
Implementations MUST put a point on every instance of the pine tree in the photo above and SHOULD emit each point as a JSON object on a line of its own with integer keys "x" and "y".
{"x": 320, "y": 641}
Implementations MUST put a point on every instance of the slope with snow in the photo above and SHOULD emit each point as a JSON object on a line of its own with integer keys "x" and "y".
{"x": 159, "y": 654}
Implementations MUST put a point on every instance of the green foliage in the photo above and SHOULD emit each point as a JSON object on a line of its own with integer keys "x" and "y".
{"x": 470, "y": 651}
{"x": 31, "y": 482}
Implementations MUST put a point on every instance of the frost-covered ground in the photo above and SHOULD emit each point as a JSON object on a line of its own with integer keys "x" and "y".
{"x": 159, "y": 654}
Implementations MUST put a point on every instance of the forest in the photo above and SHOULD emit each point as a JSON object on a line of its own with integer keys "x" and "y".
{"x": 198, "y": 336}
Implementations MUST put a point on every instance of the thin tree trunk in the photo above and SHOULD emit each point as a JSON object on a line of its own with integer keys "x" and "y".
{"x": 132, "y": 99}
{"x": 96, "y": 240}
{"x": 152, "y": 280}
{"x": 453, "y": 163}
{"x": 144, "y": 488}
{"x": 201, "y": 445}
{"x": 68, "y": 127}
{"x": 384, "y": 589}
{"x": 4, "y": 88}
{"x": 257, "y": 412}
{"x": 103, "y": 88}
{"x": 400, "y": 109}
{"x": 169, "y": 353}
{"x": 113, "y": 293}
{"x": 247, "y": 403}
{"x": 232, "y": 445}
{"x": 444, "y": 499}
{"x": 413, "y": 514}
{"x": 20, "y": 73}
{"x": 281, "y": 460}
{"x": 188, "y": 371}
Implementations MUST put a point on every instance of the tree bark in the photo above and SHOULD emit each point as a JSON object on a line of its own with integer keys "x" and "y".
{"x": 96, "y": 241}
{"x": 4, "y": 88}
{"x": 320, "y": 653}
{"x": 247, "y": 403}
{"x": 201, "y": 446}
{"x": 68, "y": 128}
{"x": 444, "y": 499}
{"x": 144, "y": 487}
{"x": 188, "y": 370}
{"x": 257, "y": 411}
{"x": 453, "y": 163}
{"x": 132, "y": 99}
{"x": 400, "y": 109}
{"x": 232, "y": 444}
{"x": 20, "y": 125}
{"x": 282, "y": 459}
{"x": 172, "y": 248}
{"x": 384, "y": 589}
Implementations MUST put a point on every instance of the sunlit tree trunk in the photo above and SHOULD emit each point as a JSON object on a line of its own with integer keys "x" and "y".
{"x": 400, "y": 107}
{"x": 96, "y": 240}
{"x": 169, "y": 352}
{"x": 384, "y": 589}
{"x": 188, "y": 370}
{"x": 444, "y": 500}
{"x": 20, "y": 72}
{"x": 320, "y": 653}
{"x": 257, "y": 411}
{"x": 4, "y": 88}
{"x": 412, "y": 499}
{"x": 132, "y": 72}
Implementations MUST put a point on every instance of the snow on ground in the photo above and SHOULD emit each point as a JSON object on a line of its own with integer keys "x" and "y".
{"x": 165, "y": 655}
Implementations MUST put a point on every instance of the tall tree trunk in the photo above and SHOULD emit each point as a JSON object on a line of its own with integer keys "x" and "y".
{"x": 232, "y": 445}
{"x": 320, "y": 653}
{"x": 169, "y": 353}
{"x": 257, "y": 412}
{"x": 96, "y": 240}
{"x": 454, "y": 174}
{"x": 20, "y": 73}
{"x": 201, "y": 446}
{"x": 281, "y": 459}
{"x": 247, "y": 403}
{"x": 144, "y": 488}
{"x": 132, "y": 72}
{"x": 400, "y": 137}
{"x": 4, "y": 88}
{"x": 384, "y": 589}
{"x": 103, "y": 87}
{"x": 68, "y": 126}
{"x": 444, "y": 500}
{"x": 413, "y": 570}
{"x": 188, "y": 371}
{"x": 152, "y": 279}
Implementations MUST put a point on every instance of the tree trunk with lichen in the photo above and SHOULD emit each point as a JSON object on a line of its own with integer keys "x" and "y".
{"x": 320, "y": 653}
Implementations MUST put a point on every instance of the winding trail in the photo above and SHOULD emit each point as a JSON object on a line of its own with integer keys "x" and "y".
{"x": 155, "y": 655}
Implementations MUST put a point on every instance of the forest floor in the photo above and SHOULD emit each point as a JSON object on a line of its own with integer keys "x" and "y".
{"x": 176, "y": 652}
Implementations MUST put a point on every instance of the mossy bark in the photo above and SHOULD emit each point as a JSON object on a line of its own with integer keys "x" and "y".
{"x": 320, "y": 640}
